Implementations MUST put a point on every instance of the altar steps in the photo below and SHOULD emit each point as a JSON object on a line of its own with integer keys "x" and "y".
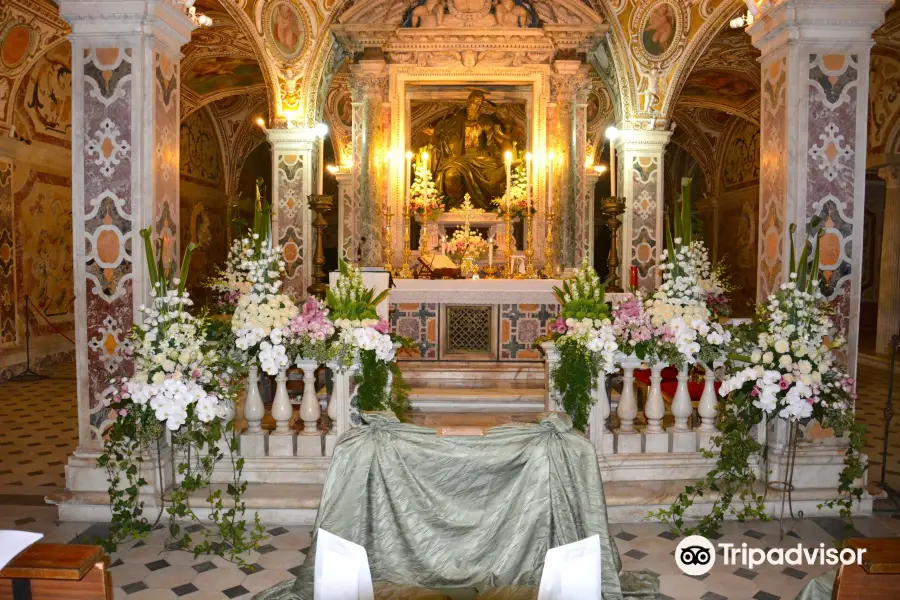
{"x": 471, "y": 393}
{"x": 297, "y": 504}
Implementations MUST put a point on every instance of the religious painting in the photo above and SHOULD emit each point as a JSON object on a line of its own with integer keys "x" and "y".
{"x": 222, "y": 72}
{"x": 286, "y": 29}
{"x": 720, "y": 85}
{"x": 48, "y": 92}
{"x": 593, "y": 107}
{"x": 345, "y": 110}
{"x": 15, "y": 44}
{"x": 659, "y": 29}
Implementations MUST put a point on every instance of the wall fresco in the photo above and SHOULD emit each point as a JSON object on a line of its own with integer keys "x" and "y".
{"x": 740, "y": 163}
{"x": 201, "y": 158}
{"x": 7, "y": 256}
{"x": 44, "y": 102}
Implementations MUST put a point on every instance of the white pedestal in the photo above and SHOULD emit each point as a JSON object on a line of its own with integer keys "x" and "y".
{"x": 281, "y": 444}
{"x": 684, "y": 441}
{"x": 628, "y": 443}
{"x": 705, "y": 439}
{"x": 330, "y": 443}
{"x": 309, "y": 445}
{"x": 253, "y": 445}
{"x": 656, "y": 443}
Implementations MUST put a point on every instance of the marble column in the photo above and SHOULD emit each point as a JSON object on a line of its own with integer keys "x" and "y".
{"x": 368, "y": 89}
{"x": 348, "y": 218}
{"x": 642, "y": 232}
{"x": 567, "y": 132}
{"x": 815, "y": 63}
{"x": 586, "y": 223}
{"x": 125, "y": 157}
{"x": 889, "y": 279}
{"x": 295, "y": 165}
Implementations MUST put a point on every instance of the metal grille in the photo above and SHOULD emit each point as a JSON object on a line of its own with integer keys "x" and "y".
{"x": 469, "y": 329}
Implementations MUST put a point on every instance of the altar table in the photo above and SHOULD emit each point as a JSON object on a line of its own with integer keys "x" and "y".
{"x": 465, "y": 513}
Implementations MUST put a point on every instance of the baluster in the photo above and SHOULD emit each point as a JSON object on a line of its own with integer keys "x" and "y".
{"x": 708, "y": 408}
{"x": 282, "y": 410}
{"x": 681, "y": 404}
{"x": 627, "y": 409}
{"x": 655, "y": 409}
{"x": 254, "y": 409}
{"x": 309, "y": 406}
{"x": 601, "y": 437}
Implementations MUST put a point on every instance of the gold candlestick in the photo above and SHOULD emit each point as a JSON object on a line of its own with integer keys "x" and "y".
{"x": 509, "y": 246}
{"x": 424, "y": 250}
{"x": 388, "y": 248}
{"x": 611, "y": 209}
{"x": 405, "y": 271}
{"x": 530, "y": 271}
{"x": 549, "y": 268}
{"x": 320, "y": 204}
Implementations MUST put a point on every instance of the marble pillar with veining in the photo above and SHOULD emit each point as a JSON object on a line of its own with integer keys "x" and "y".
{"x": 813, "y": 144}
{"x": 125, "y": 157}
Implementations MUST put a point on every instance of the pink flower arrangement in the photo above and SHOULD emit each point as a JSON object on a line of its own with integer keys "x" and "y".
{"x": 558, "y": 326}
{"x": 631, "y": 323}
{"x": 312, "y": 322}
{"x": 383, "y": 327}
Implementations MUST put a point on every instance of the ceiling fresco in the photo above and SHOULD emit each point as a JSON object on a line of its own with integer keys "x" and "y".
{"x": 222, "y": 73}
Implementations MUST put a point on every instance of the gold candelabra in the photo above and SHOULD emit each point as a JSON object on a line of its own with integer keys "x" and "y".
{"x": 405, "y": 271}
{"x": 611, "y": 209}
{"x": 510, "y": 244}
{"x": 549, "y": 270}
{"x": 424, "y": 250}
{"x": 530, "y": 271}
{"x": 388, "y": 248}
{"x": 320, "y": 204}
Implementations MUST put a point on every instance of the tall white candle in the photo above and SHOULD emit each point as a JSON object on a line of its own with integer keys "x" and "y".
{"x": 491, "y": 252}
{"x": 444, "y": 245}
{"x": 508, "y": 161}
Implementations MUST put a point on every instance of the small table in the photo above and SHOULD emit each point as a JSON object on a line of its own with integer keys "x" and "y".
{"x": 877, "y": 577}
{"x": 57, "y": 572}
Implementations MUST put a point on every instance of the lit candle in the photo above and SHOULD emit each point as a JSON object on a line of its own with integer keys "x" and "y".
{"x": 550, "y": 158}
{"x": 634, "y": 278}
{"x": 528, "y": 178}
{"x": 406, "y": 177}
{"x": 491, "y": 252}
{"x": 444, "y": 245}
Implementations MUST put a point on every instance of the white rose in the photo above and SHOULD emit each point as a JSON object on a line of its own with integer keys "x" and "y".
{"x": 755, "y": 356}
{"x": 785, "y": 361}
{"x": 781, "y": 346}
{"x": 768, "y": 357}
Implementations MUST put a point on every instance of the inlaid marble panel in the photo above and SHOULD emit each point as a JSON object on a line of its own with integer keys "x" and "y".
{"x": 520, "y": 326}
{"x": 645, "y": 234}
{"x": 773, "y": 176}
{"x": 106, "y": 220}
{"x": 831, "y": 176}
{"x": 290, "y": 214}
{"x": 418, "y": 322}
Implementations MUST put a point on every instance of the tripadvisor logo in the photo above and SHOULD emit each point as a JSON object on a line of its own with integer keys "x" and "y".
{"x": 696, "y": 555}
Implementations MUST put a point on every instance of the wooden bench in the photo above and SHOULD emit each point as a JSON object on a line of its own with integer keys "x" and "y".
{"x": 57, "y": 572}
{"x": 877, "y": 577}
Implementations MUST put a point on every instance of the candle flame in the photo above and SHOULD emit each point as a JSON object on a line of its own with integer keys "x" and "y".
{"x": 424, "y": 157}
{"x": 260, "y": 122}
{"x": 528, "y": 157}
{"x": 409, "y": 155}
{"x": 508, "y": 156}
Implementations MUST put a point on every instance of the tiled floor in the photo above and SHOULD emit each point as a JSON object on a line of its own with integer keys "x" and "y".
{"x": 40, "y": 431}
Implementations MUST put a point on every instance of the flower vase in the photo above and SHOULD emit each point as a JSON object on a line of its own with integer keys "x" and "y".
{"x": 309, "y": 406}
{"x": 254, "y": 409}
{"x": 681, "y": 403}
{"x": 282, "y": 410}
{"x": 708, "y": 408}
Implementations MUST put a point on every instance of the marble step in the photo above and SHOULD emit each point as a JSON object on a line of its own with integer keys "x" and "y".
{"x": 489, "y": 399}
{"x": 297, "y": 504}
{"x": 430, "y": 371}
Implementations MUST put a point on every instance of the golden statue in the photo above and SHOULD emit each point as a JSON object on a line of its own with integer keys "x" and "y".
{"x": 469, "y": 146}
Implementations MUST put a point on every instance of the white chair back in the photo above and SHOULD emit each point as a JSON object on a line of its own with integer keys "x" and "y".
{"x": 342, "y": 569}
{"x": 572, "y": 572}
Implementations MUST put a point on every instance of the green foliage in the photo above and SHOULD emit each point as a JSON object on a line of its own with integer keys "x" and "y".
{"x": 732, "y": 478}
{"x": 381, "y": 386}
{"x": 350, "y": 299}
{"x": 574, "y": 377}
{"x": 583, "y": 296}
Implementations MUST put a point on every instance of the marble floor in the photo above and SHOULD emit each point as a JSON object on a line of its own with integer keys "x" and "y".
{"x": 41, "y": 430}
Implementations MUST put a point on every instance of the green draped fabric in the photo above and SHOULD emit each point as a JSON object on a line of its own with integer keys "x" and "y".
{"x": 819, "y": 588}
{"x": 465, "y": 514}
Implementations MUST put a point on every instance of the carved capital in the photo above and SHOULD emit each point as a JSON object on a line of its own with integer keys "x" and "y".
{"x": 369, "y": 86}
{"x": 569, "y": 87}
